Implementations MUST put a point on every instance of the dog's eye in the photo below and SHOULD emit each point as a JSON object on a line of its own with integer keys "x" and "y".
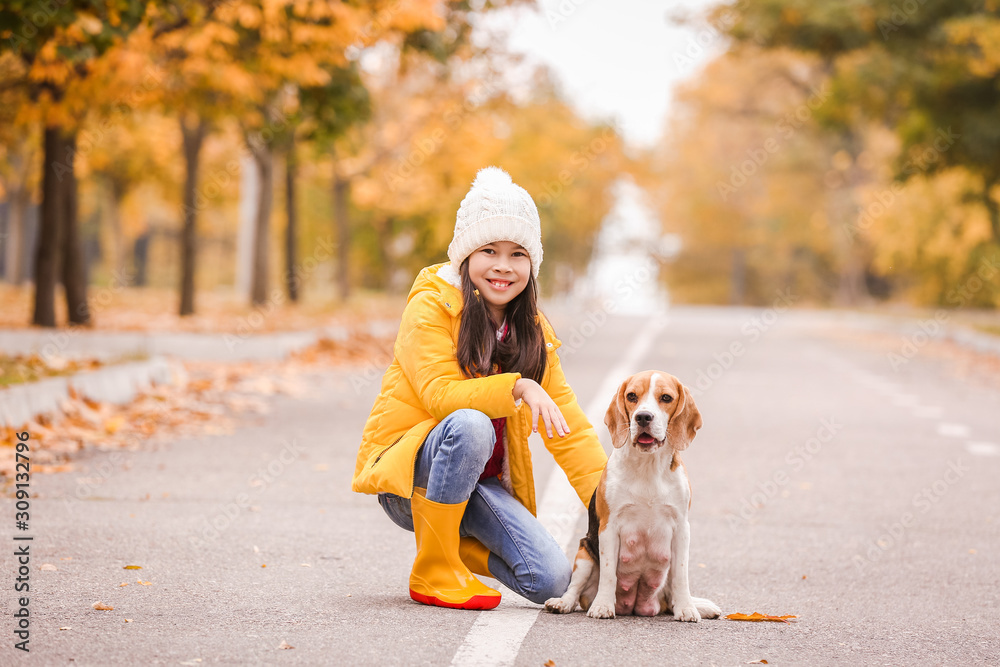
{"x": 666, "y": 398}
{"x": 632, "y": 398}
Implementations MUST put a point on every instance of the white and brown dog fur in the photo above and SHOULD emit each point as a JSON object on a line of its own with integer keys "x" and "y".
{"x": 634, "y": 559}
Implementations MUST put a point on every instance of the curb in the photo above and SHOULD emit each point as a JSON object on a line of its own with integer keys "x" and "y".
{"x": 119, "y": 383}
{"x": 181, "y": 345}
{"x": 20, "y": 403}
{"x": 913, "y": 331}
{"x": 974, "y": 340}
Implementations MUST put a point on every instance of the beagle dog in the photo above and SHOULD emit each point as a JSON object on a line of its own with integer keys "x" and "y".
{"x": 634, "y": 559}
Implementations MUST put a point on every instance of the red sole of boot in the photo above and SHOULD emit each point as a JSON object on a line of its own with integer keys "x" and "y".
{"x": 475, "y": 602}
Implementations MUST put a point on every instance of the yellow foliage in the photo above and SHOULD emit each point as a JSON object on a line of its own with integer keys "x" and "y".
{"x": 927, "y": 233}
{"x": 89, "y": 23}
{"x": 742, "y": 184}
{"x": 430, "y": 135}
{"x": 982, "y": 33}
{"x": 248, "y": 16}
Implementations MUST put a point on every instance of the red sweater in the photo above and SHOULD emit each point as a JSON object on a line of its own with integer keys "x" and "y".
{"x": 494, "y": 466}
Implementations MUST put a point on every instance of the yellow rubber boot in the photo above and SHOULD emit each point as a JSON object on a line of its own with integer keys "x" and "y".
{"x": 474, "y": 555}
{"x": 472, "y": 552}
{"x": 439, "y": 577}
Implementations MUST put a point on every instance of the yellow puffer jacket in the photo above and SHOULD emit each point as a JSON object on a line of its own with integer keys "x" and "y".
{"x": 424, "y": 384}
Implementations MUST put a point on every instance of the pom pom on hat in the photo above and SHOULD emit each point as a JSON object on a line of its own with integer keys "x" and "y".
{"x": 496, "y": 209}
{"x": 492, "y": 177}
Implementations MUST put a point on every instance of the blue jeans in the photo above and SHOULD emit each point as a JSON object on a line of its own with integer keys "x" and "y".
{"x": 523, "y": 555}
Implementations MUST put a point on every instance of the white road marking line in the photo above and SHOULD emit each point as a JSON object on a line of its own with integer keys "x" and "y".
{"x": 496, "y": 636}
{"x": 953, "y": 430}
{"x": 983, "y": 448}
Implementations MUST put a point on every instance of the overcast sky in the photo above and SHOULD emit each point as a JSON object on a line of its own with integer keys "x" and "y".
{"x": 616, "y": 59}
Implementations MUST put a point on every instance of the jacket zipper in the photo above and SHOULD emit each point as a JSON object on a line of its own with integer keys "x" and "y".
{"x": 385, "y": 450}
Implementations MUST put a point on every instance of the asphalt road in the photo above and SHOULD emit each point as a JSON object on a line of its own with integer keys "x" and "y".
{"x": 859, "y": 495}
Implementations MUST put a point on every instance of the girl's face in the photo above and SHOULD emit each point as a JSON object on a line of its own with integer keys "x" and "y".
{"x": 500, "y": 271}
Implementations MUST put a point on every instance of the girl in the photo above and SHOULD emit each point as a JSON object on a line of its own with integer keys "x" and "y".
{"x": 446, "y": 444}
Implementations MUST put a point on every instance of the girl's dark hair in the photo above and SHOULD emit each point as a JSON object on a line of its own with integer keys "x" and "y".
{"x": 522, "y": 351}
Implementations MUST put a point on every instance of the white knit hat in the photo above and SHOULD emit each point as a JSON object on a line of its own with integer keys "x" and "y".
{"x": 496, "y": 209}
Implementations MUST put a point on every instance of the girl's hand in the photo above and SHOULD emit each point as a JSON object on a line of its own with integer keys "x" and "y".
{"x": 541, "y": 404}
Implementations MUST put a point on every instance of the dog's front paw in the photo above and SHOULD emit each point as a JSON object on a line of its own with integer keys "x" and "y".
{"x": 707, "y": 608}
{"x": 559, "y": 605}
{"x": 688, "y": 613}
{"x": 602, "y": 609}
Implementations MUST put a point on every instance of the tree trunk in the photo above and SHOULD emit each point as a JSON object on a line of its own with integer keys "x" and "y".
{"x": 264, "y": 157}
{"x": 386, "y": 251}
{"x": 341, "y": 195}
{"x": 140, "y": 257}
{"x": 46, "y": 254}
{"x": 291, "y": 233}
{"x": 15, "y": 263}
{"x": 851, "y": 291}
{"x": 992, "y": 208}
{"x": 115, "y": 193}
{"x": 16, "y": 234}
{"x": 193, "y": 131}
{"x": 249, "y": 189}
{"x": 74, "y": 269}
{"x": 738, "y": 281}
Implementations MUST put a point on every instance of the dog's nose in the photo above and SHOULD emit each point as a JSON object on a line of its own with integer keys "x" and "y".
{"x": 643, "y": 418}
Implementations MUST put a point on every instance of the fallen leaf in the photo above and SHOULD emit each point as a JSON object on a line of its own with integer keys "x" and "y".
{"x": 305, "y": 565}
{"x": 132, "y": 567}
{"x": 100, "y": 606}
{"x": 762, "y": 661}
{"x": 285, "y": 644}
{"x": 550, "y": 663}
{"x": 263, "y": 564}
{"x": 48, "y": 567}
{"x": 113, "y": 425}
{"x": 122, "y": 584}
{"x": 144, "y": 583}
{"x": 128, "y": 620}
{"x": 759, "y": 617}
{"x": 66, "y": 628}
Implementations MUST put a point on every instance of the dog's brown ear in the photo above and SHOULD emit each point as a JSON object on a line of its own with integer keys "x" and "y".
{"x": 616, "y": 418}
{"x": 685, "y": 421}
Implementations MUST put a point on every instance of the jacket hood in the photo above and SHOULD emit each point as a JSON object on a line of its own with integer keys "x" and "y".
{"x": 443, "y": 282}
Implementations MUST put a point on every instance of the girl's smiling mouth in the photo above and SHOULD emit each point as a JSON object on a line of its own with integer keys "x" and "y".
{"x": 500, "y": 285}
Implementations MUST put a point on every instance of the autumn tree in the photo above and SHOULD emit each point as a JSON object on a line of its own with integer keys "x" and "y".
{"x": 326, "y": 114}
{"x": 930, "y": 71}
{"x": 412, "y": 169}
{"x": 437, "y": 102}
{"x": 264, "y": 53}
{"x": 19, "y": 157}
{"x": 57, "y": 44}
